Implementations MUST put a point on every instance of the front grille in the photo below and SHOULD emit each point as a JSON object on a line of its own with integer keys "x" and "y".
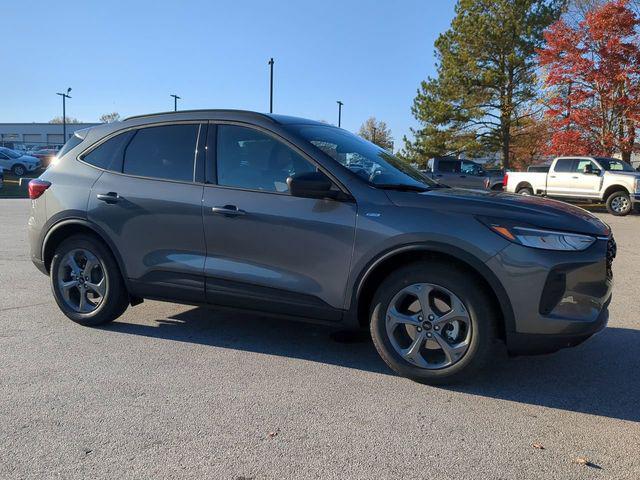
{"x": 611, "y": 254}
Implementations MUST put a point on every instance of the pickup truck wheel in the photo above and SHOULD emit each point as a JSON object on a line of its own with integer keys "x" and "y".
{"x": 430, "y": 324}
{"x": 619, "y": 204}
{"x": 525, "y": 191}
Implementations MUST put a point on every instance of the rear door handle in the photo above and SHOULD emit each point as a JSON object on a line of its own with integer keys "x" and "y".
{"x": 111, "y": 197}
{"x": 228, "y": 211}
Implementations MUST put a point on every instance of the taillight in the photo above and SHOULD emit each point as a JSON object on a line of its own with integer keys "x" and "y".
{"x": 505, "y": 180}
{"x": 37, "y": 188}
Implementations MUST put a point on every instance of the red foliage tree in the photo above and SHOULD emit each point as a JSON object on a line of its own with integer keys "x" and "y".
{"x": 593, "y": 76}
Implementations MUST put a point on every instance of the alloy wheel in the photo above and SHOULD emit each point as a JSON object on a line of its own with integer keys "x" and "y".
{"x": 428, "y": 326}
{"x": 620, "y": 204}
{"x": 82, "y": 281}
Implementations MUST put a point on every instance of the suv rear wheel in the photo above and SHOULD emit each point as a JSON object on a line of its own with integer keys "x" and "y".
{"x": 429, "y": 323}
{"x": 86, "y": 281}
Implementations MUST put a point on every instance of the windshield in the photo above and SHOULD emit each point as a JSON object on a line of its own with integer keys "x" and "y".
{"x": 10, "y": 153}
{"x": 615, "y": 165}
{"x": 367, "y": 160}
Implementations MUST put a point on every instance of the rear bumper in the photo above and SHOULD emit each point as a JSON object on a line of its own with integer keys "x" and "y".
{"x": 559, "y": 299}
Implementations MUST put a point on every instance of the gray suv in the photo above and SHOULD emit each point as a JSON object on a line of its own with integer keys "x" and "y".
{"x": 288, "y": 216}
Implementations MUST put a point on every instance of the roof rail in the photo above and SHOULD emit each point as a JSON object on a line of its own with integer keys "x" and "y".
{"x": 202, "y": 110}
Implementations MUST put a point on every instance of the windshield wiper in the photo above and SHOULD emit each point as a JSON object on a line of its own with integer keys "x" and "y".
{"x": 403, "y": 187}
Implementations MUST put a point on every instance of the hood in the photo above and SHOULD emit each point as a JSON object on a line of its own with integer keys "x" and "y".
{"x": 626, "y": 174}
{"x": 530, "y": 210}
{"x": 28, "y": 158}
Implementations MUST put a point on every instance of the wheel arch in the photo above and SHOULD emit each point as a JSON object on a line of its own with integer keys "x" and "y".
{"x": 390, "y": 261}
{"x": 63, "y": 229}
{"x": 524, "y": 184}
{"x": 611, "y": 189}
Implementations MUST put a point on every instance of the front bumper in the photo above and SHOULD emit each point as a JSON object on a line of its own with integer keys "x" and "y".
{"x": 32, "y": 167}
{"x": 635, "y": 198}
{"x": 559, "y": 299}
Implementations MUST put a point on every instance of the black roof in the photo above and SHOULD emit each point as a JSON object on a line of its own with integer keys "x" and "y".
{"x": 277, "y": 118}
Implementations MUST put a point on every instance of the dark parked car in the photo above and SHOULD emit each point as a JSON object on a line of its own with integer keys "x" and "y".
{"x": 263, "y": 213}
{"x": 463, "y": 174}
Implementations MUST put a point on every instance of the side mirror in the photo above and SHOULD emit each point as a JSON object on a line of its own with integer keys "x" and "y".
{"x": 311, "y": 185}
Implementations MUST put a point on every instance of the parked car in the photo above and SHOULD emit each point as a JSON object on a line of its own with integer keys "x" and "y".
{"x": 18, "y": 163}
{"x": 463, "y": 174}
{"x": 600, "y": 179}
{"x": 262, "y": 213}
{"x": 1, "y": 177}
{"x": 46, "y": 155}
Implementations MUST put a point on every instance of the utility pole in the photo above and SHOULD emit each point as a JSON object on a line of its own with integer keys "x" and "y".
{"x": 339, "y": 112}
{"x": 175, "y": 101}
{"x": 271, "y": 85}
{"x": 64, "y": 113}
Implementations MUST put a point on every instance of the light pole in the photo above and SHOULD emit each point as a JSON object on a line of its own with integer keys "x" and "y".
{"x": 271, "y": 85}
{"x": 64, "y": 113}
{"x": 175, "y": 101}
{"x": 339, "y": 112}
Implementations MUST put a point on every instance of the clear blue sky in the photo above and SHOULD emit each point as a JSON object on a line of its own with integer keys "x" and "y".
{"x": 128, "y": 56}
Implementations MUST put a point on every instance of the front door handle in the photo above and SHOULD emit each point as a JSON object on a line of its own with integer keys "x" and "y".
{"x": 575, "y": 178}
{"x": 228, "y": 211}
{"x": 111, "y": 197}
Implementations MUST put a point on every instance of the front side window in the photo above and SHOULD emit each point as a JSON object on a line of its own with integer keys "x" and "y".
{"x": 248, "y": 158}
{"x": 375, "y": 165}
{"x": 580, "y": 165}
{"x": 166, "y": 152}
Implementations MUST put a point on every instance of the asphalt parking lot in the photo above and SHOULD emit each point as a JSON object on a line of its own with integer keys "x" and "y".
{"x": 174, "y": 391}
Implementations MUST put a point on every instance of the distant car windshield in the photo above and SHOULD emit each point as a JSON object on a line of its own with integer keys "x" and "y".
{"x": 370, "y": 162}
{"x": 615, "y": 165}
{"x": 10, "y": 153}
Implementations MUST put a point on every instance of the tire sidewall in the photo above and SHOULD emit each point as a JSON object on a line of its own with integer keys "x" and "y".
{"x": 614, "y": 196}
{"x": 456, "y": 282}
{"x": 524, "y": 189}
{"x": 112, "y": 277}
{"x": 16, "y": 170}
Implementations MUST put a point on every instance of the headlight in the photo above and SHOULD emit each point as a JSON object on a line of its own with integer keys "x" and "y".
{"x": 542, "y": 239}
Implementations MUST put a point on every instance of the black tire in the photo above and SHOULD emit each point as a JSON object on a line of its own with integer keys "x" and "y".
{"x": 476, "y": 301}
{"x": 525, "y": 191}
{"x": 619, "y": 204}
{"x": 18, "y": 170}
{"x": 116, "y": 297}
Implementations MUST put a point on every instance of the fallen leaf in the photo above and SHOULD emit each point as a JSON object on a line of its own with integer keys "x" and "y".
{"x": 539, "y": 446}
{"x": 273, "y": 433}
{"x": 582, "y": 461}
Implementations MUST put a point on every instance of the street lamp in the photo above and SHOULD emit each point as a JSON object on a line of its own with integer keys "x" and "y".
{"x": 64, "y": 113}
{"x": 339, "y": 112}
{"x": 175, "y": 101}
{"x": 271, "y": 86}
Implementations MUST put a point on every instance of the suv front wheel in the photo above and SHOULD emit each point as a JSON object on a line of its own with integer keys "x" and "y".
{"x": 86, "y": 281}
{"x": 431, "y": 324}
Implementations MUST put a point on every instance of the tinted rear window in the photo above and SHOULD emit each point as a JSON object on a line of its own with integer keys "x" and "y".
{"x": 166, "y": 152}
{"x": 73, "y": 142}
{"x": 109, "y": 155}
{"x": 563, "y": 165}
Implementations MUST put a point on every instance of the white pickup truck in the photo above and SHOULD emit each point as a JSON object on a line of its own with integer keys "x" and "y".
{"x": 598, "y": 179}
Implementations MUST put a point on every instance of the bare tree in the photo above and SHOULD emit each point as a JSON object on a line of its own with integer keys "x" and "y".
{"x": 377, "y": 132}
{"x": 69, "y": 120}
{"x": 110, "y": 117}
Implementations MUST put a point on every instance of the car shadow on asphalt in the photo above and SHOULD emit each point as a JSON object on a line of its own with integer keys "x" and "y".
{"x": 599, "y": 377}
